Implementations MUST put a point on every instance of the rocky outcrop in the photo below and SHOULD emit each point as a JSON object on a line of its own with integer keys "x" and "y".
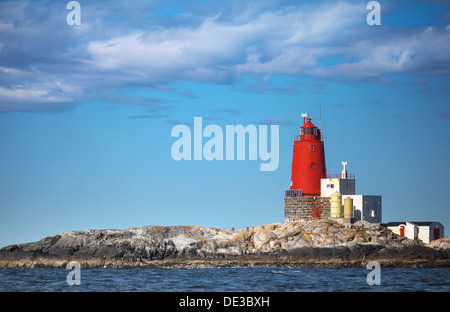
{"x": 441, "y": 243}
{"x": 303, "y": 243}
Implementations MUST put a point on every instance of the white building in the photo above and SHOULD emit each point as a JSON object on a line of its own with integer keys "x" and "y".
{"x": 425, "y": 231}
{"x": 365, "y": 207}
{"x": 343, "y": 186}
{"x": 343, "y": 183}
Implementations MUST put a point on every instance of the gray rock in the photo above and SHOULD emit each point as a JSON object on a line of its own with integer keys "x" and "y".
{"x": 316, "y": 242}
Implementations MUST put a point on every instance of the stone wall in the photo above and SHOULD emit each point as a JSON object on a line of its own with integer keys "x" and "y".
{"x": 302, "y": 207}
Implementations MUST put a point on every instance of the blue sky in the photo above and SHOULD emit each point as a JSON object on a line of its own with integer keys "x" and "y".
{"x": 86, "y": 112}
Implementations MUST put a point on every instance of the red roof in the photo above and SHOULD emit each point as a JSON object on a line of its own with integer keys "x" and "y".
{"x": 308, "y": 124}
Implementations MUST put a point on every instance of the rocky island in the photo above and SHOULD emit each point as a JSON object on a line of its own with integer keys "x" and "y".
{"x": 309, "y": 243}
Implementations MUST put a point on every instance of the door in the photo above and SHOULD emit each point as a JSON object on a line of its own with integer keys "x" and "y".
{"x": 316, "y": 212}
{"x": 402, "y": 230}
{"x": 436, "y": 234}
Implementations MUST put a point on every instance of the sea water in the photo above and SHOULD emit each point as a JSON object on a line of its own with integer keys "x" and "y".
{"x": 226, "y": 280}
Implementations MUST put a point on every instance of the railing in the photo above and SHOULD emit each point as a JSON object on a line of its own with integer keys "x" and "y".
{"x": 350, "y": 176}
{"x": 292, "y": 193}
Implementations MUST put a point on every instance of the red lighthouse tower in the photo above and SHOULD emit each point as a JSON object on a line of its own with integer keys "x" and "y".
{"x": 308, "y": 162}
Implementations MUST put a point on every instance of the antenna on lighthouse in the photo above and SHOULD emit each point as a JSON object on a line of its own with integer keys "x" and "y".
{"x": 320, "y": 112}
{"x": 344, "y": 171}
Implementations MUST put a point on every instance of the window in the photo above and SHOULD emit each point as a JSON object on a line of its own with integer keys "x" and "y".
{"x": 330, "y": 185}
{"x": 312, "y": 148}
{"x": 308, "y": 131}
{"x": 372, "y": 213}
{"x": 313, "y": 165}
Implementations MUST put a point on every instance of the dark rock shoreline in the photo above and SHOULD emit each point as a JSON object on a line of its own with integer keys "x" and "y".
{"x": 315, "y": 243}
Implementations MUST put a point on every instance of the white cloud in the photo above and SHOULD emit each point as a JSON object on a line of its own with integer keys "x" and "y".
{"x": 285, "y": 42}
{"x": 123, "y": 45}
{"x": 20, "y": 93}
{"x": 38, "y": 98}
{"x": 416, "y": 52}
{"x": 290, "y": 42}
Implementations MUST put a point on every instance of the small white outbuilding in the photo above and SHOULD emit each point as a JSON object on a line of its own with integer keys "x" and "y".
{"x": 425, "y": 231}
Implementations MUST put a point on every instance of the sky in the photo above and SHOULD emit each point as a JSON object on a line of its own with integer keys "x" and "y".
{"x": 86, "y": 111}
